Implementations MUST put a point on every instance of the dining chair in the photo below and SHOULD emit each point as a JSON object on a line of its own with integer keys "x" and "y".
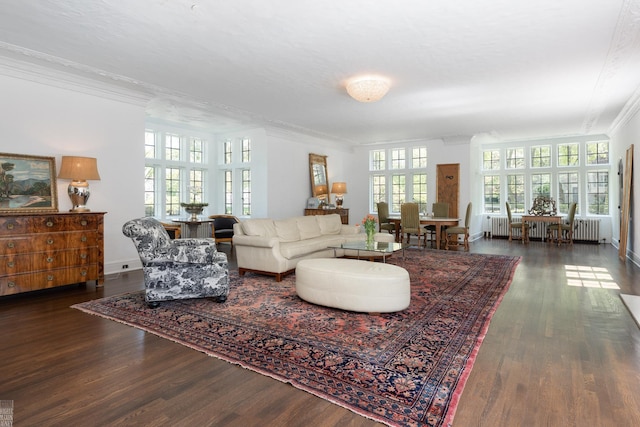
{"x": 517, "y": 226}
{"x": 222, "y": 228}
{"x": 410, "y": 221}
{"x": 383, "y": 218}
{"x": 439, "y": 210}
{"x": 452, "y": 233}
{"x": 564, "y": 232}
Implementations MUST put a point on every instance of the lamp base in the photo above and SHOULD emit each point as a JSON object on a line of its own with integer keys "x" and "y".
{"x": 79, "y": 194}
{"x": 338, "y": 202}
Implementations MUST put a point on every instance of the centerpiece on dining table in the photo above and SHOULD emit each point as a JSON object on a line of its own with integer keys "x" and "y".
{"x": 196, "y": 206}
{"x": 369, "y": 223}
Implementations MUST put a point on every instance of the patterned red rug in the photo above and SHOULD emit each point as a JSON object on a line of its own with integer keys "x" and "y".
{"x": 406, "y": 368}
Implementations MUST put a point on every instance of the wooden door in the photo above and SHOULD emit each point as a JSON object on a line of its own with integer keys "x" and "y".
{"x": 448, "y": 184}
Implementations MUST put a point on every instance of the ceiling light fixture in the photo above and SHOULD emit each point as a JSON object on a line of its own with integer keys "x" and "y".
{"x": 368, "y": 88}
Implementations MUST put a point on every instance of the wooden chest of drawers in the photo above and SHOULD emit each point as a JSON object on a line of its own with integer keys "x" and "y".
{"x": 39, "y": 251}
{"x": 344, "y": 213}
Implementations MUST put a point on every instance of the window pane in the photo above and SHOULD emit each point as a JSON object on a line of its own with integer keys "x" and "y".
{"x": 420, "y": 191}
{"x": 491, "y": 160}
{"x": 398, "y": 158}
{"x": 598, "y": 192}
{"x": 378, "y": 160}
{"x": 149, "y": 191}
{"x": 378, "y": 190}
{"x": 492, "y": 194}
{"x": 196, "y": 185}
{"x": 568, "y": 154}
{"x": 172, "y": 147}
{"x": 196, "y": 147}
{"x": 419, "y": 157}
{"x": 515, "y": 158}
{"x": 246, "y": 150}
{"x": 228, "y": 192}
{"x": 515, "y": 192}
{"x": 227, "y": 152}
{"x": 541, "y": 156}
{"x": 246, "y": 192}
{"x": 398, "y": 188}
{"x": 150, "y": 147}
{"x": 172, "y": 191}
{"x": 540, "y": 185}
{"x": 598, "y": 153}
{"x": 568, "y": 191}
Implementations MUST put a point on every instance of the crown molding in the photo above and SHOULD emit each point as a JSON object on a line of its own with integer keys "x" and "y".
{"x": 630, "y": 110}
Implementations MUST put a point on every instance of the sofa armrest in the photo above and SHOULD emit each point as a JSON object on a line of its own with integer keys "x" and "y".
{"x": 256, "y": 241}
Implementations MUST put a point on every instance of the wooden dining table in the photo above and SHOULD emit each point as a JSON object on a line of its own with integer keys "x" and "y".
{"x": 554, "y": 219}
{"x": 439, "y": 223}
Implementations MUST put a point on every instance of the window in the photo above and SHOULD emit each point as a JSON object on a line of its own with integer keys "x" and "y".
{"x": 491, "y": 159}
{"x": 540, "y": 185}
{"x": 515, "y": 158}
{"x": 541, "y": 156}
{"x": 405, "y": 181}
{"x": 175, "y": 166}
{"x": 598, "y": 192}
{"x": 598, "y": 153}
{"x": 515, "y": 192}
{"x": 236, "y": 176}
{"x": 492, "y": 193}
{"x": 398, "y": 158}
{"x": 568, "y": 190}
{"x": 568, "y": 155}
{"x": 530, "y": 170}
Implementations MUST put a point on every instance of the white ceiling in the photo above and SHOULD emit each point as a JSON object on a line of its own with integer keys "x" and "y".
{"x": 503, "y": 69}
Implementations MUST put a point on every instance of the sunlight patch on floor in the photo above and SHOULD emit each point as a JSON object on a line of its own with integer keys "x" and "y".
{"x": 589, "y": 277}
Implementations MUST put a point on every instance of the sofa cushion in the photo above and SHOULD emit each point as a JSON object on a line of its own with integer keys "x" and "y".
{"x": 329, "y": 224}
{"x": 308, "y": 227}
{"x": 259, "y": 227}
{"x": 287, "y": 230}
{"x": 300, "y": 248}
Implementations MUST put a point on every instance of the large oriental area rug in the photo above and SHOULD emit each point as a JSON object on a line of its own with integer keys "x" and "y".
{"x": 406, "y": 368}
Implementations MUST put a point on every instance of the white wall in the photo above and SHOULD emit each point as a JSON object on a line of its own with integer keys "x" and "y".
{"x": 47, "y": 120}
{"x": 621, "y": 140}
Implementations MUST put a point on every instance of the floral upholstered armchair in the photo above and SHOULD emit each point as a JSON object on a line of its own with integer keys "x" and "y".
{"x": 177, "y": 269}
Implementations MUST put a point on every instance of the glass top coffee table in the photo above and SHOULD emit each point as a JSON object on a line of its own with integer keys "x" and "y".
{"x": 371, "y": 250}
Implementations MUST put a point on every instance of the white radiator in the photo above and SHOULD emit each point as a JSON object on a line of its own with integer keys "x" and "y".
{"x": 586, "y": 230}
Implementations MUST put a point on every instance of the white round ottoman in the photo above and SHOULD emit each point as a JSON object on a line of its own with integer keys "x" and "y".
{"x": 348, "y": 284}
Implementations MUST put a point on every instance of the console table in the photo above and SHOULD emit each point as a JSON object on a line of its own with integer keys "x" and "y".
{"x": 47, "y": 250}
{"x": 344, "y": 213}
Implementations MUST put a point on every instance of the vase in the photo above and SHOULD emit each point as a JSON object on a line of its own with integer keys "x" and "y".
{"x": 370, "y": 233}
{"x": 194, "y": 209}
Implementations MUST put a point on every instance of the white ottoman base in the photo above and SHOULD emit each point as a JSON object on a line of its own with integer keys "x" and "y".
{"x": 347, "y": 284}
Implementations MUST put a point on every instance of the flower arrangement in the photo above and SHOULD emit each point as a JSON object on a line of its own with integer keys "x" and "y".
{"x": 369, "y": 223}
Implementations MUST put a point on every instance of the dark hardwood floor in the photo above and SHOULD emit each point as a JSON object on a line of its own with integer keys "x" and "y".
{"x": 559, "y": 352}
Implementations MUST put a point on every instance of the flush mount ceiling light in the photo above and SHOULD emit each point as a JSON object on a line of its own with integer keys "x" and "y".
{"x": 368, "y": 88}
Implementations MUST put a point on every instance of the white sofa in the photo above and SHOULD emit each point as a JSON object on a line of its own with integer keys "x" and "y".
{"x": 274, "y": 247}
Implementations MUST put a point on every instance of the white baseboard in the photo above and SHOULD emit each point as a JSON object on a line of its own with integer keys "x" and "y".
{"x": 633, "y": 305}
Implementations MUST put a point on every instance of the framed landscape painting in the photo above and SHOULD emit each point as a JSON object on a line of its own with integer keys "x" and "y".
{"x": 27, "y": 184}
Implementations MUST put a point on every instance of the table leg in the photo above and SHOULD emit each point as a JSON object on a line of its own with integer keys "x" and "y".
{"x": 397, "y": 226}
{"x": 438, "y": 234}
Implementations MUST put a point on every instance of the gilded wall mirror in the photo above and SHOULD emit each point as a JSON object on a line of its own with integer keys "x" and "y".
{"x": 319, "y": 177}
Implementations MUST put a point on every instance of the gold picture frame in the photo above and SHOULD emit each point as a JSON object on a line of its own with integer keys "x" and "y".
{"x": 27, "y": 184}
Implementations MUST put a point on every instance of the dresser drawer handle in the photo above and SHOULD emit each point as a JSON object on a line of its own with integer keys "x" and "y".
{"x": 10, "y": 226}
{"x": 11, "y": 284}
{"x": 50, "y": 277}
{"x": 83, "y": 273}
{"x": 49, "y": 241}
{"x": 11, "y": 264}
{"x": 11, "y": 245}
{"x": 83, "y": 239}
{"x": 83, "y": 256}
{"x": 84, "y": 222}
{"x": 49, "y": 259}
{"x": 49, "y": 223}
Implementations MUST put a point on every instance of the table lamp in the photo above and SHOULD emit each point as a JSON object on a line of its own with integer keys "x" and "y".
{"x": 339, "y": 189}
{"x": 79, "y": 170}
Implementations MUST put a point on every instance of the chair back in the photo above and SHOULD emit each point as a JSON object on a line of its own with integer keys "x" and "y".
{"x": 409, "y": 216}
{"x": 223, "y": 226}
{"x": 467, "y": 218}
{"x": 383, "y": 212}
{"x": 508, "y": 211}
{"x": 440, "y": 210}
{"x": 572, "y": 214}
{"x": 148, "y": 236}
